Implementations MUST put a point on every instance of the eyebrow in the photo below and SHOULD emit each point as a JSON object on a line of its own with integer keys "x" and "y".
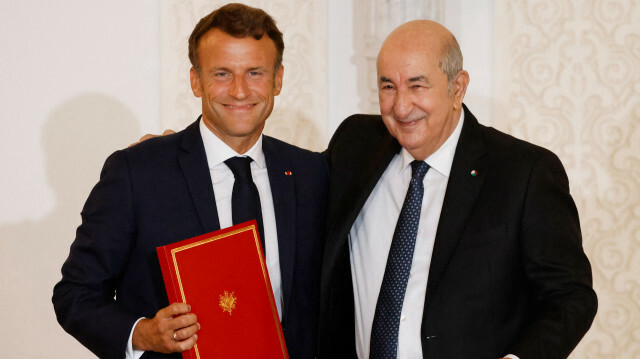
{"x": 226, "y": 69}
{"x": 260, "y": 68}
{"x": 413, "y": 79}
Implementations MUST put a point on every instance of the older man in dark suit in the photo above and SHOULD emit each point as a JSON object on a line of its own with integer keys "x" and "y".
{"x": 446, "y": 238}
{"x": 180, "y": 186}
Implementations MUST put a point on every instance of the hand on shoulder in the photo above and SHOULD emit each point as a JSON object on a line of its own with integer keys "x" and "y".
{"x": 149, "y": 136}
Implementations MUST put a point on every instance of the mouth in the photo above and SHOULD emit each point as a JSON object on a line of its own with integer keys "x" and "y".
{"x": 240, "y": 107}
{"x": 408, "y": 122}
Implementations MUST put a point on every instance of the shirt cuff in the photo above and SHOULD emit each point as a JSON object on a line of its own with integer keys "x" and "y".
{"x": 131, "y": 353}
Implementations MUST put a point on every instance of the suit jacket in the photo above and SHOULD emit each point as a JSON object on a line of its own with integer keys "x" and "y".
{"x": 160, "y": 192}
{"x": 508, "y": 272}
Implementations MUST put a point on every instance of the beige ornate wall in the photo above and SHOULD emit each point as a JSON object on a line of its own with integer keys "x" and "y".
{"x": 569, "y": 80}
{"x": 299, "y": 116}
{"x": 375, "y": 20}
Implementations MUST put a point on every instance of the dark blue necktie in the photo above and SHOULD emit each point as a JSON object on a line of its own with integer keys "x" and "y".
{"x": 386, "y": 321}
{"x": 245, "y": 199}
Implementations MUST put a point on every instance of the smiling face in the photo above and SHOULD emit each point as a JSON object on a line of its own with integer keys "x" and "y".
{"x": 237, "y": 83}
{"x": 416, "y": 104}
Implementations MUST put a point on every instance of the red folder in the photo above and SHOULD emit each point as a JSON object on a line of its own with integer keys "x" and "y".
{"x": 223, "y": 276}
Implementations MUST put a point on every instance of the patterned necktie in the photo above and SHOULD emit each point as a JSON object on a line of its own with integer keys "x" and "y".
{"x": 386, "y": 321}
{"x": 245, "y": 199}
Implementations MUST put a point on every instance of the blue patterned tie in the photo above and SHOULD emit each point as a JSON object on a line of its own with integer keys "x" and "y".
{"x": 386, "y": 321}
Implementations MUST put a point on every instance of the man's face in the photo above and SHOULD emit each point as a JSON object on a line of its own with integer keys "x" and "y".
{"x": 237, "y": 85}
{"x": 415, "y": 103}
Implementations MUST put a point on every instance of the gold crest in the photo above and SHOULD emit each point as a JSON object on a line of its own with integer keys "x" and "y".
{"x": 228, "y": 302}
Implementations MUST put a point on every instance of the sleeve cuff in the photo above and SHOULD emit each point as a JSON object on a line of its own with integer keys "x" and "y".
{"x": 130, "y": 353}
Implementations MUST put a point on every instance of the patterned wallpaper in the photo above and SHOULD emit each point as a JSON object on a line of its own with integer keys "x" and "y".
{"x": 299, "y": 116}
{"x": 379, "y": 18}
{"x": 569, "y": 80}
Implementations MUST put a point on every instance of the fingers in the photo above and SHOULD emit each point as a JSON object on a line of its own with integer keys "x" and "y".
{"x": 144, "y": 138}
{"x": 182, "y": 321}
{"x": 174, "y": 310}
{"x": 186, "y": 333}
{"x": 149, "y": 136}
{"x": 157, "y": 334}
{"x": 177, "y": 316}
{"x": 183, "y": 338}
{"x": 186, "y": 344}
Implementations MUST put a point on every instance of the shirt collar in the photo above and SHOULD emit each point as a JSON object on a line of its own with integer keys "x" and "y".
{"x": 217, "y": 151}
{"x": 442, "y": 159}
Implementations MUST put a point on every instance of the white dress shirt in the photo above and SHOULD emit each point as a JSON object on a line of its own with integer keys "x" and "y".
{"x": 370, "y": 239}
{"x": 222, "y": 179}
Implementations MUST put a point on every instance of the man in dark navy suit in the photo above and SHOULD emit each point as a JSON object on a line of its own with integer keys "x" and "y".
{"x": 111, "y": 296}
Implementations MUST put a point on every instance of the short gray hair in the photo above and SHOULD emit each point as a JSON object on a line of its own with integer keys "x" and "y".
{"x": 451, "y": 61}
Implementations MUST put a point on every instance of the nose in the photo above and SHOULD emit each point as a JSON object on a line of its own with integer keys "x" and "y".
{"x": 403, "y": 104}
{"x": 239, "y": 88}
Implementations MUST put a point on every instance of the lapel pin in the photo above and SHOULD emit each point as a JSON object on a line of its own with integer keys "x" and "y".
{"x": 474, "y": 173}
{"x": 288, "y": 173}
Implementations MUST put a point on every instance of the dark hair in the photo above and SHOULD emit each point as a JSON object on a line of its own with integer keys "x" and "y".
{"x": 237, "y": 20}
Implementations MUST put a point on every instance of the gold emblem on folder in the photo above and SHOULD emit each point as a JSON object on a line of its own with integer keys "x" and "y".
{"x": 228, "y": 302}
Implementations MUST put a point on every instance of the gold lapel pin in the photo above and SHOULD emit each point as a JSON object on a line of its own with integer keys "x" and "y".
{"x": 288, "y": 173}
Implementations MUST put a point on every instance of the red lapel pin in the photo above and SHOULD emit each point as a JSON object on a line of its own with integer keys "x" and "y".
{"x": 288, "y": 173}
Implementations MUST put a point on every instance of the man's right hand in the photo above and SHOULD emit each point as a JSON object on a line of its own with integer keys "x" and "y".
{"x": 157, "y": 334}
{"x": 148, "y": 136}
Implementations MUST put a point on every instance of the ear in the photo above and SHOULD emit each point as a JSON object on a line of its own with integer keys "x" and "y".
{"x": 277, "y": 86}
{"x": 196, "y": 88}
{"x": 460, "y": 88}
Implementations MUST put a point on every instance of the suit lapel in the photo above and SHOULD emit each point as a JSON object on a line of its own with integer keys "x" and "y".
{"x": 283, "y": 192}
{"x": 368, "y": 164}
{"x": 462, "y": 191}
{"x": 369, "y": 173}
{"x": 193, "y": 162}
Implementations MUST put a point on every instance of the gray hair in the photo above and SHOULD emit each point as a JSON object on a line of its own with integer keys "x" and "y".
{"x": 451, "y": 61}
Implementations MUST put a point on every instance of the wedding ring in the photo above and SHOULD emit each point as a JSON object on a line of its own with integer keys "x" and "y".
{"x": 175, "y": 336}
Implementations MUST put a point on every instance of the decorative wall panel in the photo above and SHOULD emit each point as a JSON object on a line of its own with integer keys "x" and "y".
{"x": 570, "y": 81}
{"x": 300, "y": 113}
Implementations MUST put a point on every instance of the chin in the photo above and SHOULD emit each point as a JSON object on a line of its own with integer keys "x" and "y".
{"x": 409, "y": 141}
{"x": 247, "y": 130}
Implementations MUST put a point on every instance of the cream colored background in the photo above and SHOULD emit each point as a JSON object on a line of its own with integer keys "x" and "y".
{"x": 570, "y": 81}
{"x": 82, "y": 78}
